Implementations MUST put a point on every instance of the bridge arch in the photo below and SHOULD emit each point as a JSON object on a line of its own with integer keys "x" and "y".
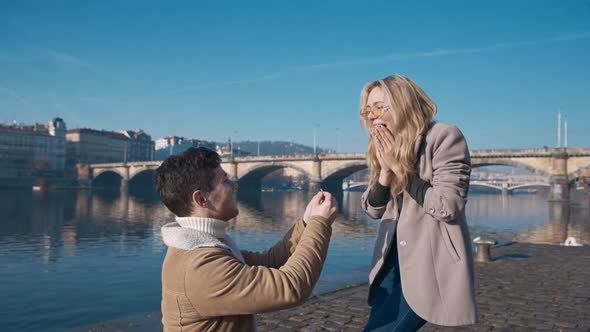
{"x": 529, "y": 185}
{"x": 583, "y": 170}
{"x": 508, "y": 162}
{"x": 258, "y": 171}
{"x": 107, "y": 178}
{"x": 134, "y": 171}
{"x": 508, "y": 189}
{"x": 485, "y": 185}
{"x": 142, "y": 178}
{"x": 358, "y": 185}
{"x": 97, "y": 172}
{"x": 344, "y": 170}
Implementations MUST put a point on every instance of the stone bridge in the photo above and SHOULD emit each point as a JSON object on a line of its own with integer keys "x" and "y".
{"x": 508, "y": 186}
{"x": 559, "y": 166}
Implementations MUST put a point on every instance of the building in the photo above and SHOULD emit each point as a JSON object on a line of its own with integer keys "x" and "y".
{"x": 224, "y": 151}
{"x": 88, "y": 146}
{"x": 171, "y": 145}
{"x": 85, "y": 146}
{"x": 230, "y": 150}
{"x": 168, "y": 141}
{"x": 141, "y": 146}
{"x": 33, "y": 150}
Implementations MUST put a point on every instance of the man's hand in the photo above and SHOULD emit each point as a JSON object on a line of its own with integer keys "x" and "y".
{"x": 322, "y": 204}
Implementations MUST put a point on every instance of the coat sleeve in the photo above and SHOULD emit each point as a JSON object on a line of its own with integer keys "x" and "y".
{"x": 371, "y": 211}
{"x": 278, "y": 254}
{"x": 218, "y": 284}
{"x": 451, "y": 165}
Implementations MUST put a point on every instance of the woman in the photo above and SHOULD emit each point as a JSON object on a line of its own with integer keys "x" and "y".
{"x": 422, "y": 268}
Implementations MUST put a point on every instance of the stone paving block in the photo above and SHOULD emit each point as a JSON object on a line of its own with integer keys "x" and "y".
{"x": 266, "y": 328}
{"x": 331, "y": 326}
{"x": 311, "y": 328}
{"x": 561, "y": 325}
{"x": 282, "y": 329}
{"x": 355, "y": 320}
{"x": 356, "y": 325}
{"x": 357, "y": 309}
{"x": 341, "y": 315}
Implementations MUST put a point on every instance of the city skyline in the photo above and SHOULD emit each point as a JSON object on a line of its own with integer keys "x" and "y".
{"x": 281, "y": 71}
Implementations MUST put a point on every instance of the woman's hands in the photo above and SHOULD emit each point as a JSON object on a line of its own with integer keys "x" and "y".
{"x": 383, "y": 141}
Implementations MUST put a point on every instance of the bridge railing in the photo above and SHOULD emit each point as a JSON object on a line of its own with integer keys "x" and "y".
{"x": 485, "y": 153}
{"x": 532, "y": 152}
{"x": 292, "y": 157}
{"x": 129, "y": 163}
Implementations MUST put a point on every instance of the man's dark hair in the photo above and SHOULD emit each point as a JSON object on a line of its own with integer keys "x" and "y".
{"x": 181, "y": 175}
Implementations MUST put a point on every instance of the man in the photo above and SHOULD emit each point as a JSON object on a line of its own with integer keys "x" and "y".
{"x": 208, "y": 284}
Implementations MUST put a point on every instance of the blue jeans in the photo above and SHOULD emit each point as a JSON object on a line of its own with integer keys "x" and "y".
{"x": 389, "y": 309}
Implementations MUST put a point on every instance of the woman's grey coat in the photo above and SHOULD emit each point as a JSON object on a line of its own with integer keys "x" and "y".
{"x": 433, "y": 244}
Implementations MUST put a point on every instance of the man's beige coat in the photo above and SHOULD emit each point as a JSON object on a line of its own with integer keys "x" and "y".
{"x": 210, "y": 289}
{"x": 433, "y": 244}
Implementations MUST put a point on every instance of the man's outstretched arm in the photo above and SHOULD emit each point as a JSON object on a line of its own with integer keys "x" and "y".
{"x": 219, "y": 284}
{"x": 277, "y": 255}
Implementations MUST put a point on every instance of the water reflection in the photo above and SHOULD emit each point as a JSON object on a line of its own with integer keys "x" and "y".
{"x": 280, "y": 210}
{"x": 49, "y": 219}
{"x": 564, "y": 221}
{"x": 53, "y": 219}
{"x": 57, "y": 218}
{"x": 530, "y": 218}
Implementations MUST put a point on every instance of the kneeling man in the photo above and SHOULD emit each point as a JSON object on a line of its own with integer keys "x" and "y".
{"x": 208, "y": 283}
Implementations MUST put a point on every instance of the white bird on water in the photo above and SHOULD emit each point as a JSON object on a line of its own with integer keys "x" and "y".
{"x": 571, "y": 242}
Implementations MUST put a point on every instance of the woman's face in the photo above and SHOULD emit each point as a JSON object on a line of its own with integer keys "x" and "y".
{"x": 376, "y": 101}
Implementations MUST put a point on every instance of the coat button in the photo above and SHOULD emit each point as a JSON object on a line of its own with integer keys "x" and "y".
{"x": 431, "y": 210}
{"x": 443, "y": 213}
{"x": 402, "y": 243}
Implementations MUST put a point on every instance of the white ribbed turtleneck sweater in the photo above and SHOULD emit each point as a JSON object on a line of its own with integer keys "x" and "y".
{"x": 212, "y": 226}
{"x": 188, "y": 233}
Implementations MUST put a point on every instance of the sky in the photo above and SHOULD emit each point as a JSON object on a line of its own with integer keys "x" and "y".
{"x": 282, "y": 70}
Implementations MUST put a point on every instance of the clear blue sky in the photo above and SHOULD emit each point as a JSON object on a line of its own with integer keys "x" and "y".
{"x": 273, "y": 70}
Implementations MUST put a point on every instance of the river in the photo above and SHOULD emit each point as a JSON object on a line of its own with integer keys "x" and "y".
{"x": 75, "y": 257}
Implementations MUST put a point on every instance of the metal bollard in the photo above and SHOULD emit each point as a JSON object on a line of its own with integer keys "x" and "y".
{"x": 482, "y": 251}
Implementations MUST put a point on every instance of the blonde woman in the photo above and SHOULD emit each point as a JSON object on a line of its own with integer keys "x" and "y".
{"x": 422, "y": 268}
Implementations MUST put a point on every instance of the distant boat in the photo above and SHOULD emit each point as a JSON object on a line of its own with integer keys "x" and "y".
{"x": 37, "y": 188}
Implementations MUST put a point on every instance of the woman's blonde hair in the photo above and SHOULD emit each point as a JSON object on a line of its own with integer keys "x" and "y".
{"x": 412, "y": 110}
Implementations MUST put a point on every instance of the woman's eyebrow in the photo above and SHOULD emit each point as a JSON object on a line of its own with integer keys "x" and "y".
{"x": 377, "y": 102}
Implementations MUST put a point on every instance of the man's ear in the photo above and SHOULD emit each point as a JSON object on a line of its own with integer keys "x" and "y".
{"x": 199, "y": 199}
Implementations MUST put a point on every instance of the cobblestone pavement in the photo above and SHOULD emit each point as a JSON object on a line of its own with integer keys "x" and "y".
{"x": 526, "y": 288}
